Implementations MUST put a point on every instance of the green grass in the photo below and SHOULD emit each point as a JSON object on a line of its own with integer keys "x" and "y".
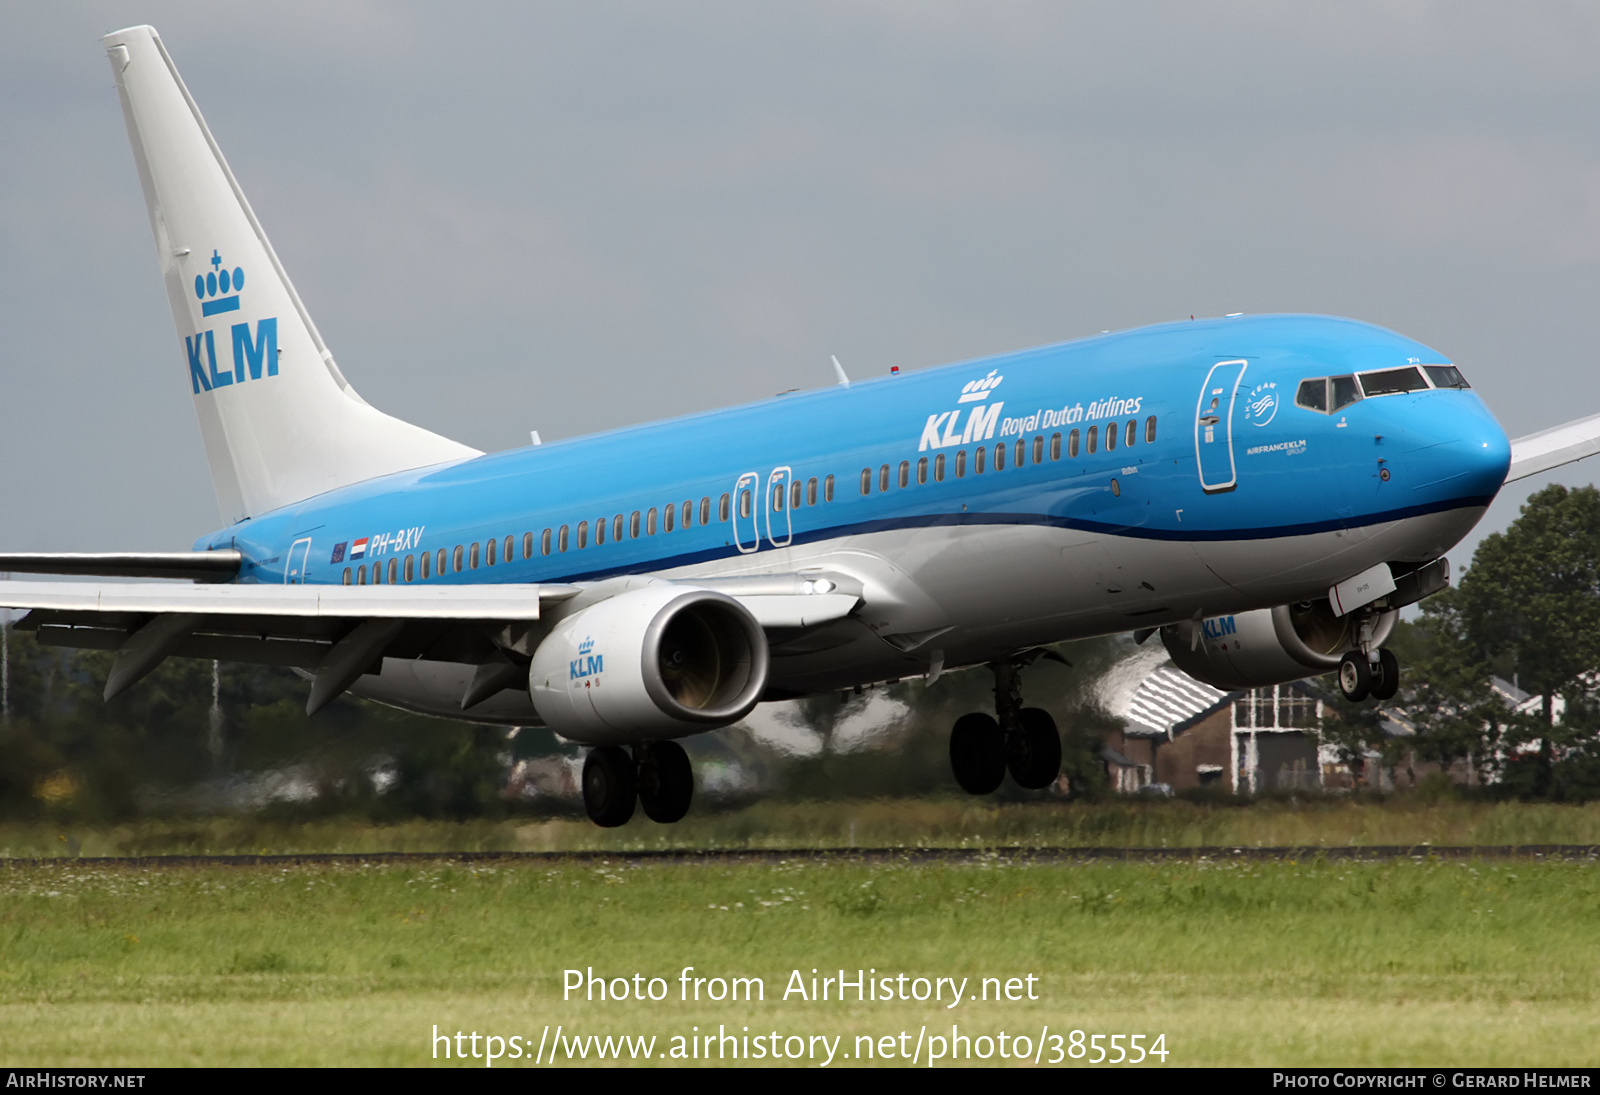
{"x": 1277, "y": 963}
{"x": 1329, "y": 822}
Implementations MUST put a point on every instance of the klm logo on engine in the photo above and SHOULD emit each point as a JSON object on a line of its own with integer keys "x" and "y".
{"x": 1217, "y": 627}
{"x": 952, "y": 428}
{"x": 255, "y": 353}
{"x": 587, "y": 663}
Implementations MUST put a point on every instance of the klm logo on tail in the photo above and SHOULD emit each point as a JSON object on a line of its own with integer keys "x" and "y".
{"x": 254, "y": 353}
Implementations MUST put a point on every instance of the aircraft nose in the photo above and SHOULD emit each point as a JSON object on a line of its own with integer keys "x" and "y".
{"x": 1464, "y": 453}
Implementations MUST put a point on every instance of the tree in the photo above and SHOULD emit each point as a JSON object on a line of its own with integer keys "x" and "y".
{"x": 1530, "y": 607}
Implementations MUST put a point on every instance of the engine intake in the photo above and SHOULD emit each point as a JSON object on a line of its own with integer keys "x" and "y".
{"x": 657, "y": 662}
{"x": 1268, "y": 645}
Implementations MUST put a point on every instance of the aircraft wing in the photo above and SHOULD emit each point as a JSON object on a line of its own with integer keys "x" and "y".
{"x": 339, "y": 632}
{"x": 1554, "y": 447}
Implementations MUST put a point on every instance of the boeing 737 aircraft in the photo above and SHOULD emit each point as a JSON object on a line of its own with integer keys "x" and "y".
{"x": 1265, "y": 492}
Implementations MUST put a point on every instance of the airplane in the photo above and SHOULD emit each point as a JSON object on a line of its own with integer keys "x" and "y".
{"x": 1264, "y": 492}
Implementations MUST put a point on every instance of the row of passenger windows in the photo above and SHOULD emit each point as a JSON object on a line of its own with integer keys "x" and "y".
{"x": 1331, "y": 394}
{"x": 1127, "y": 433}
{"x": 648, "y": 523}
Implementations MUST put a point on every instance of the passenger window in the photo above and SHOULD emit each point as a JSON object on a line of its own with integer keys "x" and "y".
{"x": 458, "y": 568}
{"x": 1021, "y": 454}
{"x": 961, "y": 463}
{"x": 394, "y": 569}
{"x": 811, "y": 492}
{"x": 1150, "y": 430}
{"x": 505, "y": 552}
{"x": 978, "y": 457}
{"x": 346, "y": 575}
{"x": 705, "y": 509}
{"x": 492, "y": 552}
{"x": 883, "y": 478}
{"x": 616, "y": 529}
{"x": 827, "y": 489}
{"x": 667, "y": 514}
{"x": 633, "y": 525}
{"x": 922, "y": 471}
{"x": 744, "y": 503}
{"x": 1133, "y": 433}
{"x": 1446, "y": 376}
{"x": 472, "y": 557}
{"x": 441, "y": 566}
{"x": 411, "y": 572}
{"x": 650, "y": 522}
{"x": 361, "y": 576}
{"x": 1093, "y": 432}
{"x": 599, "y": 531}
{"x": 561, "y": 538}
{"x": 583, "y": 535}
{"x": 544, "y": 541}
{"x": 777, "y": 497}
{"x": 1111, "y": 436}
{"x": 1313, "y": 395}
{"x": 797, "y": 493}
{"x": 938, "y": 468}
{"x": 1055, "y": 446}
{"x": 1000, "y": 456}
{"x": 427, "y": 569}
{"x": 527, "y": 545}
{"x": 866, "y": 480}
{"x": 1345, "y": 392}
{"x": 1072, "y": 443}
{"x": 1393, "y": 381}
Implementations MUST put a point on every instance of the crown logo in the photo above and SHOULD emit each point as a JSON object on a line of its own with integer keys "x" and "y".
{"x": 980, "y": 389}
{"x": 208, "y": 286}
{"x": 585, "y": 646}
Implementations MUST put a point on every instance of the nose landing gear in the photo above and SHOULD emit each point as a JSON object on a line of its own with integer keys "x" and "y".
{"x": 1021, "y": 740}
{"x": 1362, "y": 675}
{"x": 657, "y": 776}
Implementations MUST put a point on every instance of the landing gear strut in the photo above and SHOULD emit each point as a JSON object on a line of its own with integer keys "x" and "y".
{"x": 1021, "y": 740}
{"x": 657, "y": 776}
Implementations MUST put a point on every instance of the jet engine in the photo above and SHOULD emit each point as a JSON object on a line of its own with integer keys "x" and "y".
{"x": 658, "y": 662}
{"x": 1268, "y": 645}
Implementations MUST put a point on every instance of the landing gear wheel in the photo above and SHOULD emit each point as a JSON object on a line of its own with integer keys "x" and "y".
{"x": 1033, "y": 750}
{"x": 1355, "y": 676}
{"x": 977, "y": 753}
{"x": 666, "y": 781}
{"x": 610, "y": 786}
{"x": 1386, "y": 682}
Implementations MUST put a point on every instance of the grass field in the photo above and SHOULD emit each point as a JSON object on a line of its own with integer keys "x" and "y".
{"x": 1412, "y": 962}
{"x": 882, "y": 823}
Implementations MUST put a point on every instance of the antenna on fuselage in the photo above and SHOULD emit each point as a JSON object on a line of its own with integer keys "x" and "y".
{"x": 838, "y": 371}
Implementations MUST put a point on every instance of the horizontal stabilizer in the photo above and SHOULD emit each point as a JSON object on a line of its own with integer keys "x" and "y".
{"x": 198, "y": 566}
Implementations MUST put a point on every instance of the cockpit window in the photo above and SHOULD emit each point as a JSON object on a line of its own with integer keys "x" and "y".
{"x": 1446, "y": 376}
{"x": 1393, "y": 381}
{"x": 1345, "y": 392}
{"x": 1313, "y": 395}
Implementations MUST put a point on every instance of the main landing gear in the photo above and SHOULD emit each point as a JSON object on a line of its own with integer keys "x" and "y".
{"x": 1022, "y": 740}
{"x": 1362, "y": 674}
{"x": 657, "y": 776}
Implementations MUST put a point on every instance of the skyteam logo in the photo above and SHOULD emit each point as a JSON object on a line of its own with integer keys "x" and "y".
{"x": 950, "y": 428}
{"x": 254, "y": 353}
{"x": 1261, "y": 405}
{"x": 586, "y": 664}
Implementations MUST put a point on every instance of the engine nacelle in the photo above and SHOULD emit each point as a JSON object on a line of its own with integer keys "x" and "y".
{"x": 1268, "y": 645}
{"x": 658, "y": 662}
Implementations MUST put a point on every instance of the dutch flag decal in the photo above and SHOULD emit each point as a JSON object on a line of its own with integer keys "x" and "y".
{"x": 359, "y": 548}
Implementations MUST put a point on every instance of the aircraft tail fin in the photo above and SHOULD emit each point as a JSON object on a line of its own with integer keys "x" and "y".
{"x": 280, "y": 422}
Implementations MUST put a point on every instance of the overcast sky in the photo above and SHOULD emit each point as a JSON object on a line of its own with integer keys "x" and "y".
{"x": 572, "y": 216}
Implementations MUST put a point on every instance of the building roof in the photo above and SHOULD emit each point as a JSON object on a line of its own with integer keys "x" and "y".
{"x": 1170, "y": 701}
